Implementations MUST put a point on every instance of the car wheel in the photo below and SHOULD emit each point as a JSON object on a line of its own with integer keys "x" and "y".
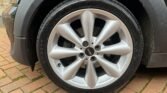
{"x": 90, "y": 46}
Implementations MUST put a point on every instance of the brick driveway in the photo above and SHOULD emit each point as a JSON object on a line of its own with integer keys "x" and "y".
{"x": 17, "y": 78}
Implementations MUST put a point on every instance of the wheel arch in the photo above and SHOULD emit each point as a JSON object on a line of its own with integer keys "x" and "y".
{"x": 28, "y": 19}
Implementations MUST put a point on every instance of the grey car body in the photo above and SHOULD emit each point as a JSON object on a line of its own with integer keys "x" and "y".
{"x": 23, "y": 20}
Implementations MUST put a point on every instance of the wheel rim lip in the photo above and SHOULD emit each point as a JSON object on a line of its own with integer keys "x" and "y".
{"x": 103, "y": 80}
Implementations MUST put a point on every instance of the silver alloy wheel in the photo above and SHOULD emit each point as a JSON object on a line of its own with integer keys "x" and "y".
{"x": 89, "y": 50}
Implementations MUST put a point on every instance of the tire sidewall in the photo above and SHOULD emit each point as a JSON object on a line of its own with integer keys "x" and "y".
{"x": 72, "y": 5}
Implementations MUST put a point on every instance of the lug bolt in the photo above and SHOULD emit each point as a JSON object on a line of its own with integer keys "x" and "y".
{"x": 97, "y": 47}
{"x": 85, "y": 44}
{"x": 93, "y": 58}
{"x": 59, "y": 64}
{"x": 81, "y": 55}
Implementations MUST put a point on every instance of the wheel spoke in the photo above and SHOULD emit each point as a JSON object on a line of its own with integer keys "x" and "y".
{"x": 121, "y": 48}
{"x": 110, "y": 68}
{"x": 72, "y": 69}
{"x": 110, "y": 28}
{"x": 91, "y": 76}
{"x": 88, "y": 20}
{"x": 60, "y": 52}
{"x": 67, "y": 32}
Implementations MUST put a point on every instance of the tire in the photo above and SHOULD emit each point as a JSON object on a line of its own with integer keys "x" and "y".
{"x": 69, "y": 6}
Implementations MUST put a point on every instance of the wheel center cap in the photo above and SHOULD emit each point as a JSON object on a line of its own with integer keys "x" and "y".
{"x": 89, "y": 51}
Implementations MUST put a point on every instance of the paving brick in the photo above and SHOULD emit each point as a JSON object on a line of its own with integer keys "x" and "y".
{"x": 2, "y": 74}
{"x": 139, "y": 82}
{"x": 5, "y": 54}
{"x": 5, "y": 81}
{"x": 1, "y": 58}
{"x": 50, "y": 88}
{"x": 2, "y": 63}
{"x": 13, "y": 73}
{"x": 35, "y": 85}
{"x": 10, "y": 59}
{"x": 165, "y": 91}
{"x": 26, "y": 70}
{"x": 9, "y": 66}
{"x": 5, "y": 45}
{"x": 17, "y": 91}
{"x": 156, "y": 85}
{"x": 20, "y": 67}
{"x": 14, "y": 85}
{"x": 39, "y": 91}
{"x": 1, "y": 49}
{"x": 38, "y": 66}
{"x": 60, "y": 91}
{"x": 32, "y": 75}
{"x": 42, "y": 72}
{"x": 127, "y": 90}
